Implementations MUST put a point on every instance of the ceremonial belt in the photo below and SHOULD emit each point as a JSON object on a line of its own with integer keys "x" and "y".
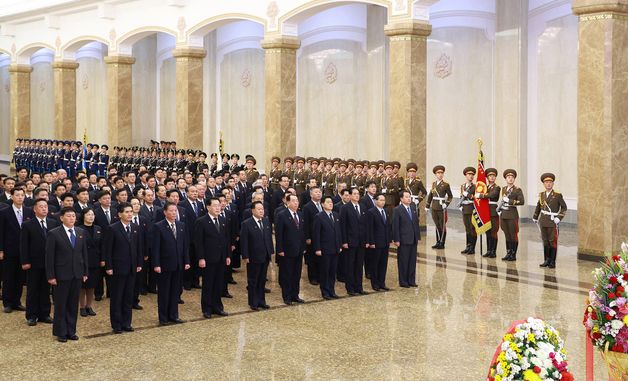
{"x": 467, "y": 202}
{"x": 439, "y": 198}
{"x": 493, "y": 203}
{"x": 551, "y": 214}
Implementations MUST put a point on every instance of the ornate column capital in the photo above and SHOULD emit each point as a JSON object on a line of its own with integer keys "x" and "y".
{"x": 20, "y": 68}
{"x": 119, "y": 60}
{"x": 585, "y": 7}
{"x": 408, "y": 28}
{"x": 189, "y": 52}
{"x": 281, "y": 42}
{"x": 65, "y": 65}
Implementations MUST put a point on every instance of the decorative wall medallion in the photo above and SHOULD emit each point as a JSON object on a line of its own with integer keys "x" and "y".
{"x": 443, "y": 65}
{"x": 272, "y": 11}
{"x": 245, "y": 78}
{"x": 85, "y": 82}
{"x": 181, "y": 25}
{"x": 42, "y": 86}
{"x": 331, "y": 73}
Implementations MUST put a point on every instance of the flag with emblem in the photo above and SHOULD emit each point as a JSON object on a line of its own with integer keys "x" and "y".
{"x": 481, "y": 218}
{"x": 84, "y": 149}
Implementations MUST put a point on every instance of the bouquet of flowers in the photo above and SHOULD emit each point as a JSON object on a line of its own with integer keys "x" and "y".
{"x": 606, "y": 316}
{"x": 531, "y": 350}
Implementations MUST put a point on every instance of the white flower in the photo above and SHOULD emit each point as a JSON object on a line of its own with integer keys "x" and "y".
{"x": 624, "y": 247}
{"x": 617, "y": 324}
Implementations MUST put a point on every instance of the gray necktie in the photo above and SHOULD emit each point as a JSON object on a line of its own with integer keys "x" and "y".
{"x": 108, "y": 216}
{"x": 173, "y": 227}
{"x": 217, "y": 225}
{"x": 19, "y": 217}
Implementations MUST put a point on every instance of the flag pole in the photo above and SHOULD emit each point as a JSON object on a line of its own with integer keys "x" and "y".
{"x": 480, "y": 142}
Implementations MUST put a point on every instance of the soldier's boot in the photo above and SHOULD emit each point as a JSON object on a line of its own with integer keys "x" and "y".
{"x": 489, "y": 247}
{"x": 438, "y": 235}
{"x": 468, "y": 247}
{"x": 508, "y": 251}
{"x": 472, "y": 241}
{"x": 552, "y": 255}
{"x": 494, "y": 248}
{"x": 441, "y": 244}
{"x": 514, "y": 247}
{"x": 546, "y": 257}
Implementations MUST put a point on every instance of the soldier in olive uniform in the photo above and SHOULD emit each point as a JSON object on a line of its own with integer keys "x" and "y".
{"x": 251, "y": 173}
{"x": 314, "y": 172}
{"x": 300, "y": 176}
{"x": 414, "y": 185}
{"x": 328, "y": 182}
{"x": 359, "y": 177}
{"x": 342, "y": 176}
{"x": 467, "y": 192}
{"x": 390, "y": 188}
{"x": 492, "y": 194}
{"x": 438, "y": 200}
{"x": 275, "y": 172}
{"x": 288, "y": 170}
{"x": 512, "y": 197}
{"x": 550, "y": 211}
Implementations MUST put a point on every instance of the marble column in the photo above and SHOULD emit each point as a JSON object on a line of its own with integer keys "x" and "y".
{"x": 20, "y": 84}
{"x": 189, "y": 96}
{"x": 602, "y": 131}
{"x": 65, "y": 99}
{"x": 407, "y": 94}
{"x": 280, "y": 96}
{"x": 119, "y": 99}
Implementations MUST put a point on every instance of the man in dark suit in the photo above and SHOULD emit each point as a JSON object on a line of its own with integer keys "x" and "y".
{"x": 327, "y": 244}
{"x": 33, "y": 259}
{"x": 193, "y": 210}
{"x": 405, "y": 236}
{"x": 105, "y": 215}
{"x": 278, "y": 195}
{"x": 170, "y": 257}
{"x": 309, "y": 212}
{"x": 367, "y": 202}
{"x": 256, "y": 247}
{"x": 123, "y": 260}
{"x": 11, "y": 220}
{"x": 378, "y": 239}
{"x": 290, "y": 241}
{"x": 230, "y": 216}
{"x": 353, "y": 226}
{"x": 66, "y": 269}
{"x": 211, "y": 236}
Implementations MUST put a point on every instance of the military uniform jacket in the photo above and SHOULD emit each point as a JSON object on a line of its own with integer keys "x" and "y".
{"x": 290, "y": 174}
{"x": 318, "y": 175}
{"x": 390, "y": 186}
{"x": 300, "y": 177}
{"x": 359, "y": 181}
{"x": 440, "y": 195}
{"x": 328, "y": 182}
{"x": 548, "y": 207}
{"x": 515, "y": 198}
{"x": 343, "y": 178}
{"x": 275, "y": 176}
{"x": 251, "y": 175}
{"x": 416, "y": 189}
{"x": 467, "y": 202}
{"x": 492, "y": 194}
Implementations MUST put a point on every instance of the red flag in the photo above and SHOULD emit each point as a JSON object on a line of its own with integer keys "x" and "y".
{"x": 481, "y": 211}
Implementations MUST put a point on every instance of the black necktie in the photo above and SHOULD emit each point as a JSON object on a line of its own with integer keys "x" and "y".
{"x": 383, "y": 215}
{"x": 43, "y": 227}
{"x": 128, "y": 231}
{"x": 331, "y": 217}
{"x": 217, "y": 225}
{"x": 260, "y": 225}
{"x": 150, "y": 210}
{"x": 357, "y": 210}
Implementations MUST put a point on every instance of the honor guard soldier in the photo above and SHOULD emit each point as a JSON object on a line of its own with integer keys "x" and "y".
{"x": 467, "y": 192}
{"x": 275, "y": 172}
{"x": 251, "y": 173}
{"x": 492, "y": 194}
{"x": 390, "y": 187}
{"x": 315, "y": 173}
{"x": 214, "y": 166}
{"x": 342, "y": 176}
{"x": 438, "y": 200}
{"x": 550, "y": 211}
{"x": 414, "y": 185}
{"x": 372, "y": 174}
{"x": 512, "y": 197}
{"x": 359, "y": 177}
{"x": 201, "y": 165}
{"x": 235, "y": 167}
{"x": 288, "y": 170}
{"x": 328, "y": 182}
{"x": 300, "y": 176}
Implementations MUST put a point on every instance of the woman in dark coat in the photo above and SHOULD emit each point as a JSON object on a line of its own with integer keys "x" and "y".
{"x": 95, "y": 261}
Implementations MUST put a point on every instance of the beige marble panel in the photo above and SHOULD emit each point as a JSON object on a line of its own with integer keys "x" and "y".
{"x": 602, "y": 133}
{"x": 91, "y": 92}
{"x": 20, "y": 94}
{"x": 280, "y": 95}
{"x": 5, "y": 110}
{"x": 168, "y": 100}
{"x": 210, "y": 79}
{"x": 65, "y": 99}
{"x": 42, "y": 101}
{"x": 119, "y": 95}
{"x": 189, "y": 96}
{"x": 145, "y": 91}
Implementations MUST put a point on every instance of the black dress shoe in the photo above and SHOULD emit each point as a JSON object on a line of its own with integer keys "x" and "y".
{"x": 8, "y": 310}
{"x": 152, "y": 291}
{"x": 221, "y": 313}
{"x": 163, "y": 323}
{"x": 31, "y": 322}
{"x": 90, "y": 311}
{"x": 137, "y": 307}
{"x": 47, "y": 320}
{"x": 117, "y": 331}
{"x": 197, "y": 286}
{"x": 98, "y": 298}
{"x": 334, "y": 296}
{"x": 19, "y": 307}
{"x": 264, "y": 306}
{"x": 327, "y": 297}
{"x": 62, "y": 339}
{"x": 73, "y": 337}
{"x": 187, "y": 288}
{"x": 404, "y": 285}
{"x": 385, "y": 288}
{"x": 227, "y": 295}
{"x": 181, "y": 301}
{"x": 177, "y": 321}
{"x": 362, "y": 292}
{"x": 232, "y": 282}
{"x": 299, "y": 300}
{"x": 314, "y": 283}
{"x": 352, "y": 293}
{"x": 128, "y": 329}
{"x": 376, "y": 289}
{"x": 83, "y": 312}
{"x": 287, "y": 302}
{"x": 144, "y": 293}
{"x": 414, "y": 285}
{"x": 266, "y": 290}
{"x": 435, "y": 246}
{"x": 255, "y": 308}
{"x": 207, "y": 316}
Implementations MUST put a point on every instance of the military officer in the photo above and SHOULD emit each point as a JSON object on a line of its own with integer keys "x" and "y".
{"x": 390, "y": 187}
{"x": 251, "y": 173}
{"x": 467, "y": 193}
{"x": 300, "y": 176}
{"x": 315, "y": 173}
{"x": 342, "y": 176}
{"x": 512, "y": 197}
{"x": 359, "y": 177}
{"x": 328, "y": 179}
{"x": 492, "y": 194}
{"x": 414, "y": 185}
{"x": 275, "y": 172}
{"x": 550, "y": 211}
{"x": 437, "y": 201}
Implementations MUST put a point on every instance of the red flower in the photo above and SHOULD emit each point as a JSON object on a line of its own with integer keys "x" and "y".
{"x": 611, "y": 295}
{"x": 566, "y": 376}
{"x": 613, "y": 279}
{"x": 608, "y": 317}
{"x": 618, "y": 348}
{"x": 596, "y": 335}
{"x": 625, "y": 276}
{"x": 537, "y": 369}
{"x": 593, "y": 315}
{"x": 620, "y": 289}
{"x": 616, "y": 258}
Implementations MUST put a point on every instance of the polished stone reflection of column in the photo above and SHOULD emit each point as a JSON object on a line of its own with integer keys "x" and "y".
{"x": 65, "y": 99}
{"x": 189, "y": 96}
{"x": 602, "y": 121}
{"x": 20, "y": 84}
{"x": 120, "y": 95}
{"x": 280, "y": 96}
{"x": 407, "y": 94}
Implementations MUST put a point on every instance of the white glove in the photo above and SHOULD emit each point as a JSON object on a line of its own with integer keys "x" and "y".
{"x": 506, "y": 199}
{"x": 556, "y": 220}
{"x": 535, "y": 221}
{"x": 465, "y": 193}
{"x": 477, "y": 195}
{"x": 427, "y": 209}
{"x": 460, "y": 208}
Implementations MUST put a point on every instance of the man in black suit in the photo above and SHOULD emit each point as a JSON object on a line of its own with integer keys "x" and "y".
{"x": 123, "y": 260}
{"x": 230, "y": 216}
{"x": 378, "y": 238}
{"x": 290, "y": 241}
{"x": 105, "y": 215}
{"x": 353, "y": 226}
{"x": 368, "y": 202}
{"x": 82, "y": 202}
{"x": 193, "y": 210}
{"x": 8, "y": 184}
{"x": 11, "y": 220}
{"x": 211, "y": 236}
{"x": 309, "y": 212}
{"x": 327, "y": 244}
{"x": 278, "y": 195}
{"x": 66, "y": 269}
{"x": 170, "y": 257}
{"x": 33, "y": 259}
{"x": 405, "y": 236}
{"x": 256, "y": 247}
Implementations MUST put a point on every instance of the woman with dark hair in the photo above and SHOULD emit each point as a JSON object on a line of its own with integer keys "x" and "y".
{"x": 95, "y": 262}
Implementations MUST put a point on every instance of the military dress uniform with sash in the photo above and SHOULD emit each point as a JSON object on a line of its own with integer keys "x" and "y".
{"x": 492, "y": 194}
{"x": 511, "y": 198}
{"x": 467, "y": 193}
{"x": 328, "y": 183}
{"x": 275, "y": 173}
{"x": 550, "y": 211}
{"x": 438, "y": 200}
{"x": 288, "y": 172}
{"x": 415, "y": 186}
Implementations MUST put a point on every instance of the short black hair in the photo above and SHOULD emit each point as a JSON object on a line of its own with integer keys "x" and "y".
{"x": 102, "y": 194}
{"x": 324, "y": 198}
{"x": 66, "y": 195}
{"x": 122, "y": 206}
{"x": 255, "y": 203}
{"x": 209, "y": 200}
{"x": 66, "y": 210}
{"x": 41, "y": 199}
{"x": 171, "y": 191}
{"x": 16, "y": 189}
{"x": 167, "y": 204}
{"x": 81, "y": 190}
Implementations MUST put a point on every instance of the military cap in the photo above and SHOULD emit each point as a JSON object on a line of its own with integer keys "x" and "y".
{"x": 314, "y": 160}
{"x": 490, "y": 171}
{"x": 342, "y": 163}
{"x": 411, "y": 167}
{"x": 235, "y": 156}
{"x": 373, "y": 164}
{"x": 203, "y": 154}
{"x": 359, "y": 164}
{"x": 337, "y": 160}
{"x": 469, "y": 170}
{"x": 95, "y": 146}
{"x": 548, "y": 176}
{"x": 388, "y": 164}
{"x": 300, "y": 159}
{"x": 351, "y": 161}
{"x": 275, "y": 158}
{"x": 288, "y": 160}
{"x": 105, "y": 146}
{"x": 510, "y": 172}
{"x": 251, "y": 159}
{"x": 438, "y": 168}
{"x": 381, "y": 163}
{"x": 214, "y": 155}
{"x": 396, "y": 164}
{"x": 309, "y": 159}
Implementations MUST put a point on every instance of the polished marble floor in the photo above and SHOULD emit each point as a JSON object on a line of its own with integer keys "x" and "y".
{"x": 447, "y": 329}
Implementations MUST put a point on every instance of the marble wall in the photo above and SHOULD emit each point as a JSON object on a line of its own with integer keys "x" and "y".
{"x": 42, "y": 101}
{"x": 167, "y": 100}
{"x": 210, "y": 131}
{"x": 144, "y": 91}
{"x": 91, "y": 99}
{"x": 5, "y": 107}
